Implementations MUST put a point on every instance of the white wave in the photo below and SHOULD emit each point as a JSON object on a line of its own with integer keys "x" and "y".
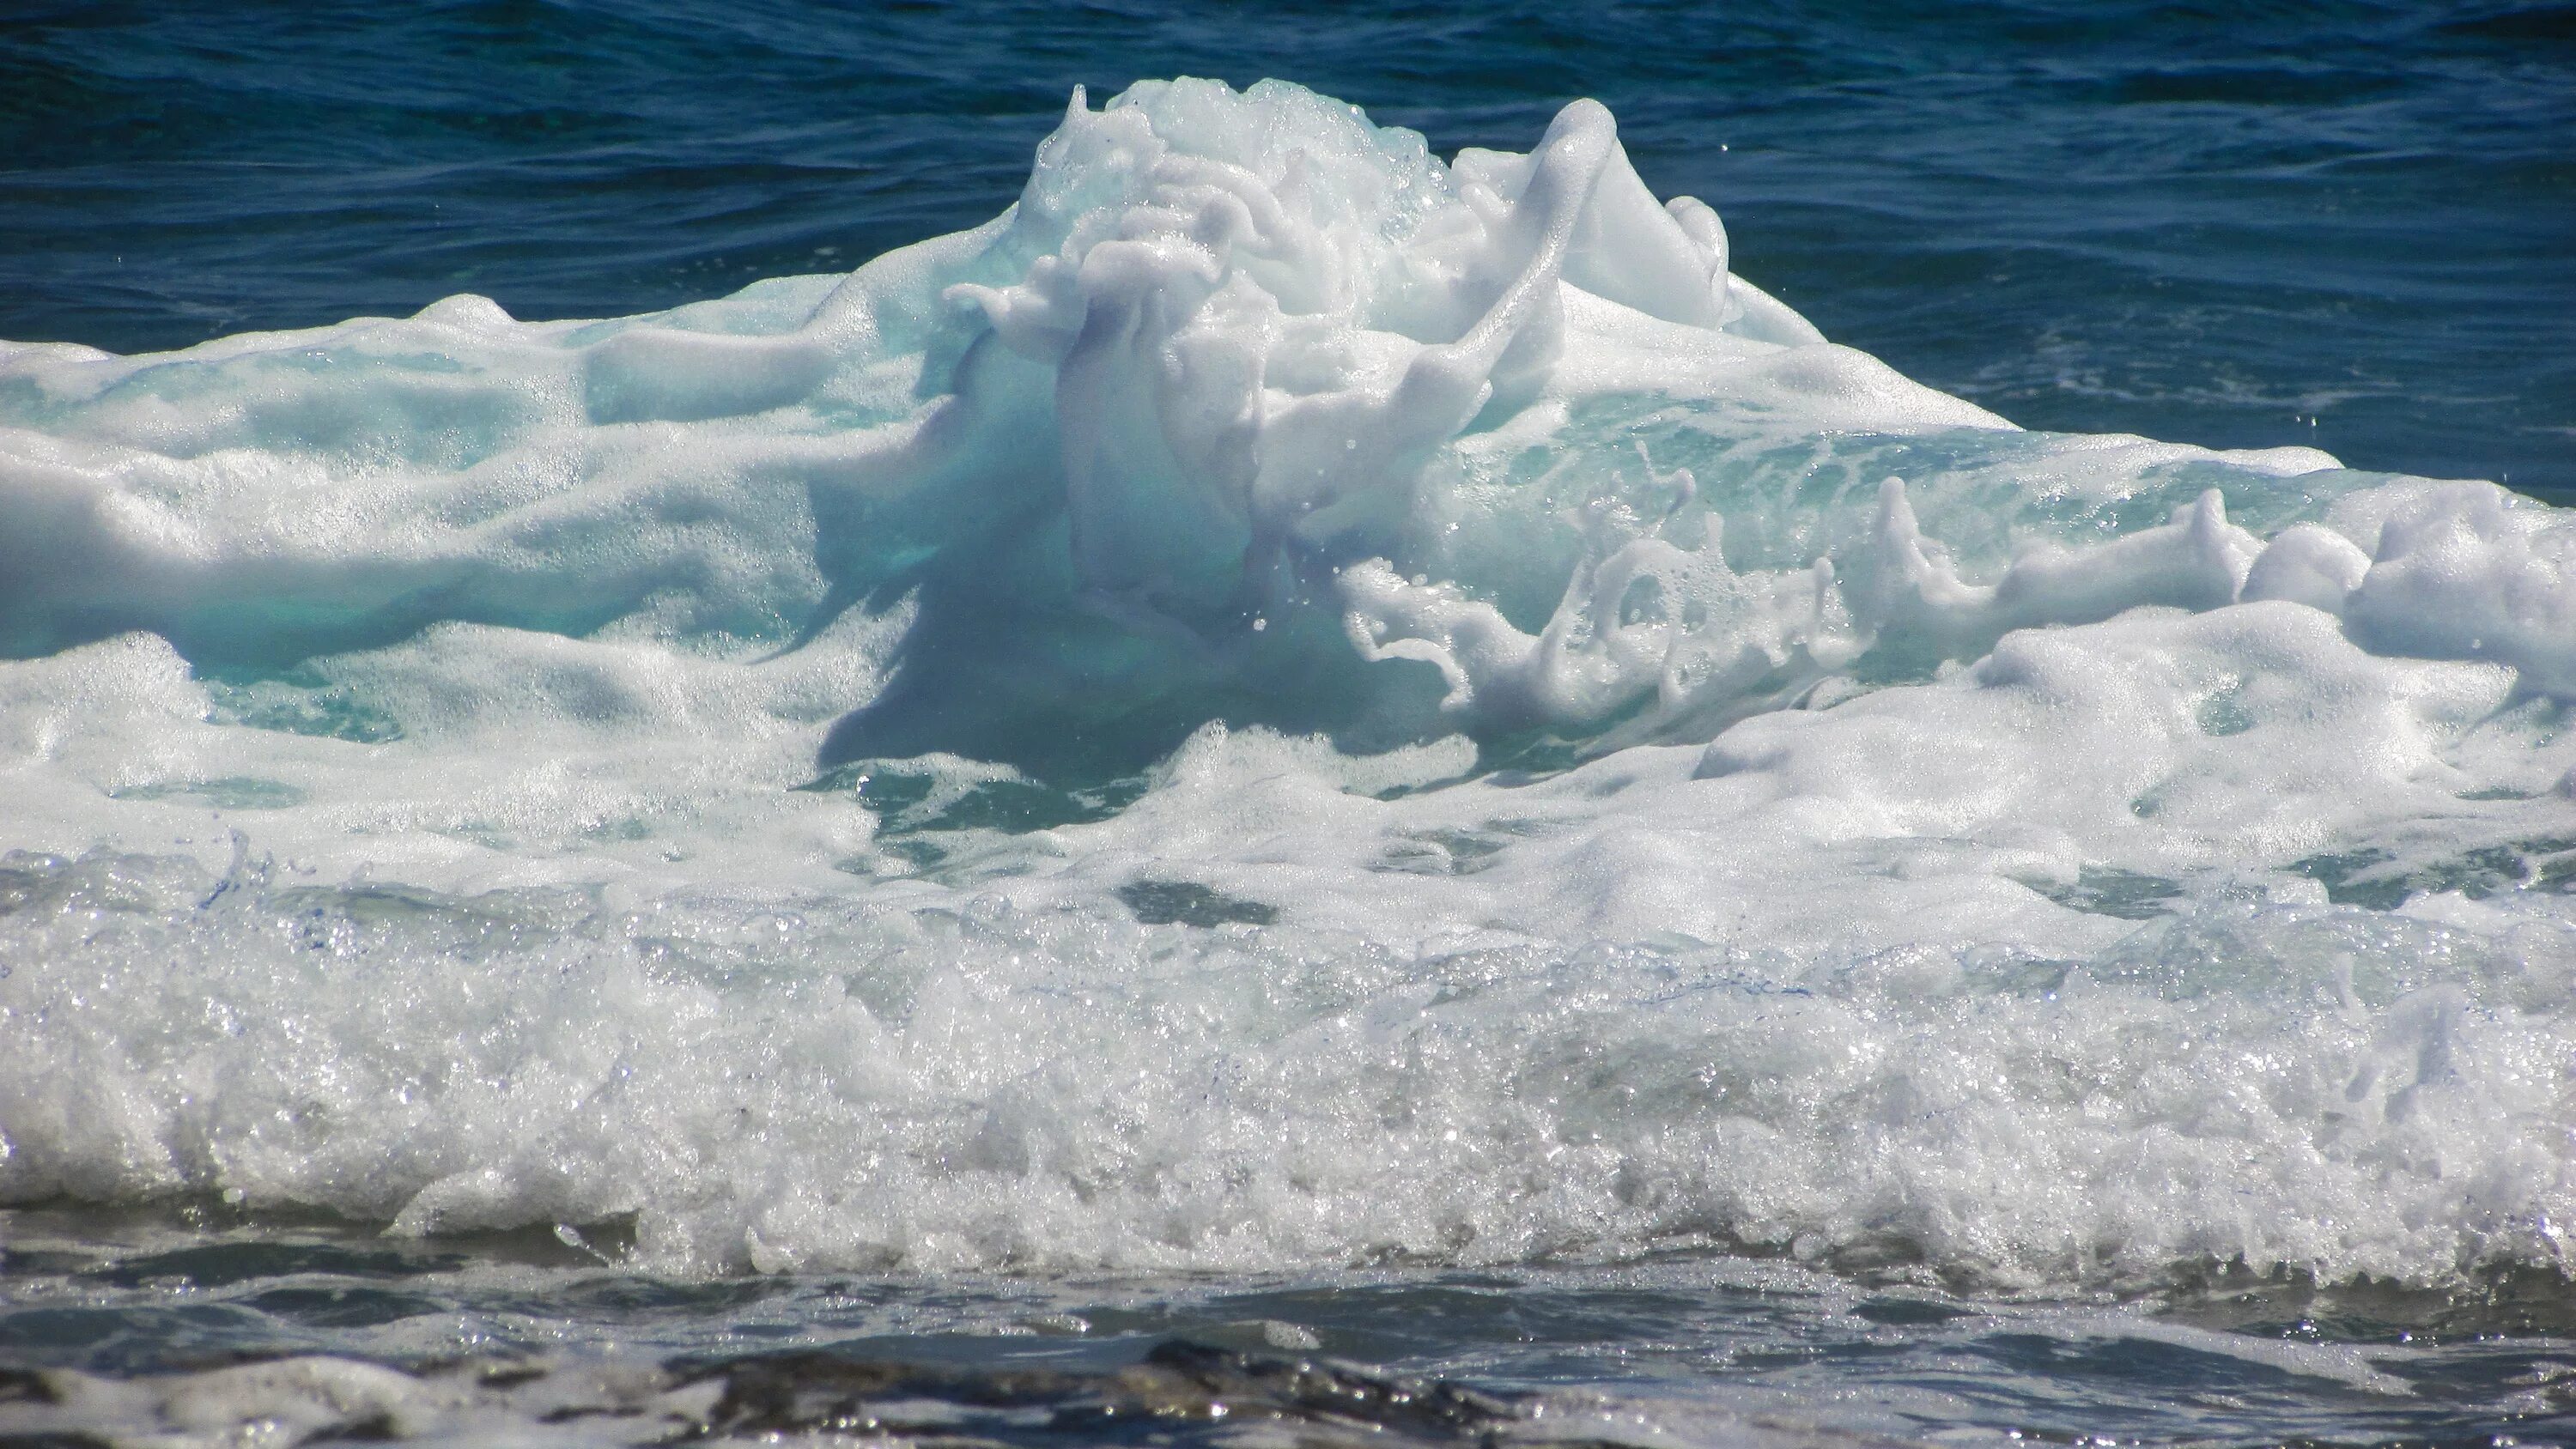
{"x": 461, "y": 772}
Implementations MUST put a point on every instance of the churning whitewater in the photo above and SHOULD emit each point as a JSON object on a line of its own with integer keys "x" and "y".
{"x": 1283, "y": 703}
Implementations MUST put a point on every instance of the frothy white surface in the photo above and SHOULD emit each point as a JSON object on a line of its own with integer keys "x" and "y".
{"x": 2046, "y": 857}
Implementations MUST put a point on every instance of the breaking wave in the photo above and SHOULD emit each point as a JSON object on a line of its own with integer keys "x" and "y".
{"x": 1283, "y": 702}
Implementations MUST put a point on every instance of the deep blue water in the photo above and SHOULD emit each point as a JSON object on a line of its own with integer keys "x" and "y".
{"x": 2347, "y": 225}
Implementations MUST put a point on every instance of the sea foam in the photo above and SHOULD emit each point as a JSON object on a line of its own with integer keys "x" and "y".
{"x": 1284, "y": 702}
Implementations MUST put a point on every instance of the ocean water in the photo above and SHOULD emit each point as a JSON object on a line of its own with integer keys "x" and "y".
{"x": 928, "y": 733}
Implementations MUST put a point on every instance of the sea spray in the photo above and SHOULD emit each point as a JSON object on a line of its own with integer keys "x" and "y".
{"x": 1283, "y": 704}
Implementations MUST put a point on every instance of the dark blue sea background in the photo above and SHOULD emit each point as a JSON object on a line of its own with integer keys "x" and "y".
{"x": 2347, "y": 226}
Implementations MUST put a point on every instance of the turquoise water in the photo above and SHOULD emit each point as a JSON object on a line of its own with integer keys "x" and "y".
{"x": 535, "y": 908}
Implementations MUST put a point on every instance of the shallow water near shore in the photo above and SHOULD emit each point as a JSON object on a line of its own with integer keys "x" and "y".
{"x": 532, "y": 1337}
{"x": 1303, "y": 772}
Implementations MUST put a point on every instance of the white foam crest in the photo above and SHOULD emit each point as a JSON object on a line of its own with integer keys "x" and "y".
{"x": 1232, "y": 357}
{"x": 983, "y": 1085}
{"x": 1237, "y": 329}
{"x": 472, "y": 773}
{"x": 2470, "y": 571}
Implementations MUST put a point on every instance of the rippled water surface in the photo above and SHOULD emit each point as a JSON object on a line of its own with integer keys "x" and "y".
{"x": 1690, "y": 1348}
